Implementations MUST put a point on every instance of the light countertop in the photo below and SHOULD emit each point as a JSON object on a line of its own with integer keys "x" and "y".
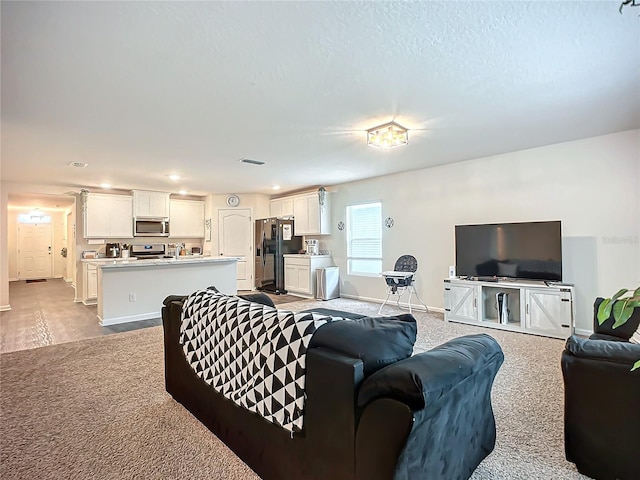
{"x": 304, "y": 255}
{"x": 108, "y": 263}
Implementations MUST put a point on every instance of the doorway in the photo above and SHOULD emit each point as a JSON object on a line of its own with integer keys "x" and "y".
{"x": 235, "y": 237}
{"x": 34, "y": 251}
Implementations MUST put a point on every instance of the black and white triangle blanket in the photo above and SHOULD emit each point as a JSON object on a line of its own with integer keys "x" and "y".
{"x": 252, "y": 354}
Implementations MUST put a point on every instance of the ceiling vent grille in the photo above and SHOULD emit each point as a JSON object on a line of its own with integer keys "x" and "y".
{"x": 252, "y": 162}
{"x": 78, "y": 164}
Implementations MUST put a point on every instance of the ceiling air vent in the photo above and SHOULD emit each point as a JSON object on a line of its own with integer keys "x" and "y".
{"x": 78, "y": 164}
{"x": 252, "y": 162}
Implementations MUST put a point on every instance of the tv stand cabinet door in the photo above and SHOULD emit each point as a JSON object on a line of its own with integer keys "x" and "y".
{"x": 548, "y": 312}
{"x": 461, "y": 303}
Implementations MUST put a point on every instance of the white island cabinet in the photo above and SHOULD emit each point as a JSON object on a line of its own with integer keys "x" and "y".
{"x": 133, "y": 291}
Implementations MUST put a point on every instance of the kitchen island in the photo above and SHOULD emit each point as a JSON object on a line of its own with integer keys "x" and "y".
{"x": 130, "y": 291}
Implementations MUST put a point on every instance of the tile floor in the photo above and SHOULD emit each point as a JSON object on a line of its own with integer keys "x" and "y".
{"x": 44, "y": 313}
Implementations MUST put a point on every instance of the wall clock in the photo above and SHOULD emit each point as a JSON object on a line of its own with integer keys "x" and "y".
{"x": 233, "y": 200}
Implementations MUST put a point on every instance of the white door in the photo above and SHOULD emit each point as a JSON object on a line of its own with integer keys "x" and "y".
{"x": 34, "y": 251}
{"x": 235, "y": 239}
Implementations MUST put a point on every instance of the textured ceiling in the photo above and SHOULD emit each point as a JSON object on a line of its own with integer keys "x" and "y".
{"x": 140, "y": 90}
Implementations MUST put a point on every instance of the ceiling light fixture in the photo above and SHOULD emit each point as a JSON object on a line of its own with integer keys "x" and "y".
{"x": 175, "y": 177}
{"x": 388, "y": 135}
{"x": 182, "y": 192}
{"x": 276, "y": 187}
{"x": 105, "y": 185}
{"x": 78, "y": 164}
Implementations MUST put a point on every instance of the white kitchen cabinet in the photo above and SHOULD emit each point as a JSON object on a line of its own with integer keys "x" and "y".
{"x": 108, "y": 216}
{"x": 150, "y": 204}
{"x": 90, "y": 283}
{"x": 300, "y": 272}
{"x": 311, "y": 218}
{"x": 186, "y": 219}
{"x": 533, "y": 307}
{"x": 282, "y": 207}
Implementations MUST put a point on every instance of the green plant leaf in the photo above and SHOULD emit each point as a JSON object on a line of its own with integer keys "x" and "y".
{"x": 636, "y": 366}
{"x": 604, "y": 310}
{"x": 621, "y": 312}
{"x": 619, "y": 293}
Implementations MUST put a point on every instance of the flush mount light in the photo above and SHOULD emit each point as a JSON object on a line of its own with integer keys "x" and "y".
{"x": 276, "y": 187}
{"x": 182, "y": 192}
{"x": 388, "y": 135}
{"x": 175, "y": 177}
{"x": 105, "y": 185}
{"x": 78, "y": 164}
{"x": 251, "y": 162}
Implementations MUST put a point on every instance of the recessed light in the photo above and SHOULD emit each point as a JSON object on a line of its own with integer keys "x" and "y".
{"x": 251, "y": 162}
{"x": 175, "y": 177}
{"x": 276, "y": 187}
{"x": 78, "y": 164}
{"x": 182, "y": 192}
{"x": 105, "y": 185}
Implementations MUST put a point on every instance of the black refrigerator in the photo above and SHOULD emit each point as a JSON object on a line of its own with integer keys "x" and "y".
{"x": 274, "y": 238}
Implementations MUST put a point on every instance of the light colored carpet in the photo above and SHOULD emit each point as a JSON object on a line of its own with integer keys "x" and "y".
{"x": 98, "y": 409}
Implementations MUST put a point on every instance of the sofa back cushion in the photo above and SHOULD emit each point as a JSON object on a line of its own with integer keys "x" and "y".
{"x": 624, "y": 331}
{"x": 378, "y": 341}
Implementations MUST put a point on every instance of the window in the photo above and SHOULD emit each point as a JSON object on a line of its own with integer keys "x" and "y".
{"x": 33, "y": 217}
{"x": 364, "y": 239}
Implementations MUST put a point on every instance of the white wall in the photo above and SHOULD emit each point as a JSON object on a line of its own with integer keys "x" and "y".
{"x": 591, "y": 185}
{"x": 4, "y": 257}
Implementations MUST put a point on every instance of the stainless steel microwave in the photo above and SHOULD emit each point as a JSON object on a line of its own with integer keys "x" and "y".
{"x": 150, "y": 227}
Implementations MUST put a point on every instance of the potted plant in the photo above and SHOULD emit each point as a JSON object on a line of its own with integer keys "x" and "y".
{"x": 622, "y": 308}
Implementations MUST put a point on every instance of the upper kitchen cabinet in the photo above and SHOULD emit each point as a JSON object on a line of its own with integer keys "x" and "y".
{"x": 186, "y": 219}
{"x": 108, "y": 216}
{"x": 282, "y": 207}
{"x": 150, "y": 204}
{"x": 312, "y": 217}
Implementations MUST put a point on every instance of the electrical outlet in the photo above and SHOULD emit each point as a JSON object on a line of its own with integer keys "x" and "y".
{"x": 132, "y": 297}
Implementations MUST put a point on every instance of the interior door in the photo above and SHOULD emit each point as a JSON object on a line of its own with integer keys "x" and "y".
{"x": 235, "y": 239}
{"x": 34, "y": 251}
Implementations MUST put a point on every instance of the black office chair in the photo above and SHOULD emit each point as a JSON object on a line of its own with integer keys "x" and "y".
{"x": 402, "y": 279}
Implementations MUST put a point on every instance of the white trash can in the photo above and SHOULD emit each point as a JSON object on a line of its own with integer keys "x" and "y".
{"x": 327, "y": 283}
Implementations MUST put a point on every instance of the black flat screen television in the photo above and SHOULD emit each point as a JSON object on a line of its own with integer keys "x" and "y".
{"x": 528, "y": 250}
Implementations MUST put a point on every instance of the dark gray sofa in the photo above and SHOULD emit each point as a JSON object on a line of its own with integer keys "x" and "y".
{"x": 366, "y": 417}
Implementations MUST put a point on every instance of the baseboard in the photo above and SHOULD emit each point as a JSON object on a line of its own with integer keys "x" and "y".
{"x": 14, "y": 279}
{"x": 419, "y": 306}
{"x": 583, "y": 332}
{"x": 68, "y": 280}
{"x": 129, "y": 318}
{"x": 5, "y": 308}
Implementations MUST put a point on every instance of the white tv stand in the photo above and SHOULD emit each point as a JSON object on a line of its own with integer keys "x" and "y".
{"x": 536, "y": 307}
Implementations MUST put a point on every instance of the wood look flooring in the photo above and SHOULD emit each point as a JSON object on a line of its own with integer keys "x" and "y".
{"x": 44, "y": 313}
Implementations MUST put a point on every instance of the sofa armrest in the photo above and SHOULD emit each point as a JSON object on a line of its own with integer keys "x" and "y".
{"x": 447, "y": 394}
{"x": 424, "y": 378}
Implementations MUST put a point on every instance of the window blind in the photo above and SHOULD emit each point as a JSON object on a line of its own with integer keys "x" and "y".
{"x": 364, "y": 239}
